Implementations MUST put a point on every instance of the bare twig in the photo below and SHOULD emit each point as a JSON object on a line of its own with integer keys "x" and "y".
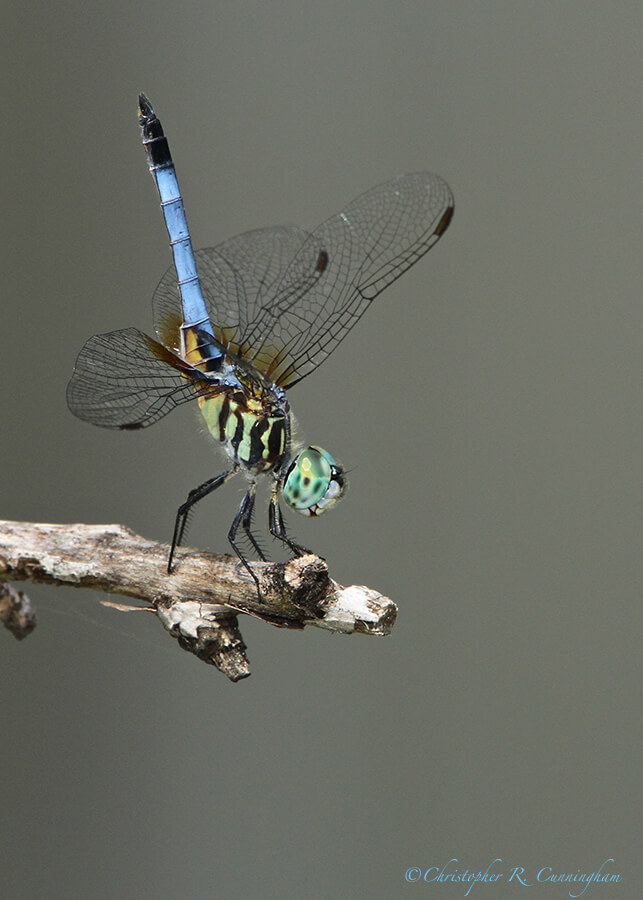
{"x": 198, "y": 603}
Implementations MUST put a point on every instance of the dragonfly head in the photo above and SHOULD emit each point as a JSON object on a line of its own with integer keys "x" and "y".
{"x": 314, "y": 482}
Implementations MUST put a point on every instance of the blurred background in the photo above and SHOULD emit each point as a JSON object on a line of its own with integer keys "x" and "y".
{"x": 488, "y": 407}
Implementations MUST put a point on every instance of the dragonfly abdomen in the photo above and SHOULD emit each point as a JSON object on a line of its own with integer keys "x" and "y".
{"x": 161, "y": 166}
{"x": 253, "y": 439}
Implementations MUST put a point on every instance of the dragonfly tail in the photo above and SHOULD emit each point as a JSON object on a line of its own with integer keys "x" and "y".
{"x": 159, "y": 160}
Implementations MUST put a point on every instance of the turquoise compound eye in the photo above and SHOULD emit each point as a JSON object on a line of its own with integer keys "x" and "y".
{"x": 314, "y": 482}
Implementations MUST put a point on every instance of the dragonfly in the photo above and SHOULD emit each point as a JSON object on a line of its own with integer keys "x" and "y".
{"x": 239, "y": 324}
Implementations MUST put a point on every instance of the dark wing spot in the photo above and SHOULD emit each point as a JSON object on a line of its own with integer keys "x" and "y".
{"x": 322, "y": 261}
{"x": 444, "y": 222}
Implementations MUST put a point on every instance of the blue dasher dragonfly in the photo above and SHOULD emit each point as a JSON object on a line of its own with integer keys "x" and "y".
{"x": 240, "y": 323}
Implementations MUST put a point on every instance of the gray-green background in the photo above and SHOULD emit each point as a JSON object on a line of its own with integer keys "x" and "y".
{"x": 488, "y": 406}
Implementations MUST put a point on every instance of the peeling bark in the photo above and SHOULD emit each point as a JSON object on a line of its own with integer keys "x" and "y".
{"x": 199, "y": 602}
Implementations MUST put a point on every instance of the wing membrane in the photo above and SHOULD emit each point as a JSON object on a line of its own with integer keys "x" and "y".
{"x": 125, "y": 379}
{"x": 284, "y": 298}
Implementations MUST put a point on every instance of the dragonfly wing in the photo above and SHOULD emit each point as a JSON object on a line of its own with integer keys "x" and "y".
{"x": 283, "y": 298}
{"x": 360, "y": 251}
{"x": 125, "y": 379}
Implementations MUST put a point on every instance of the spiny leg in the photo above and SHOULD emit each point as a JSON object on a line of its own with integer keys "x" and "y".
{"x": 277, "y": 526}
{"x": 244, "y": 512}
{"x": 194, "y": 496}
{"x": 246, "y": 522}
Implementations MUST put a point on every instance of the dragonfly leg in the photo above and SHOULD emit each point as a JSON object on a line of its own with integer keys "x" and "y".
{"x": 242, "y": 518}
{"x": 246, "y": 522}
{"x": 183, "y": 511}
{"x": 277, "y": 527}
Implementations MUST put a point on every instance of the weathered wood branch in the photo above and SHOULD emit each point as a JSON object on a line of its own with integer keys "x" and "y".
{"x": 198, "y": 603}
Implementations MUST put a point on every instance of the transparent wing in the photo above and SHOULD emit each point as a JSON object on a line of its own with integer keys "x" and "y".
{"x": 372, "y": 242}
{"x": 125, "y": 379}
{"x": 284, "y": 299}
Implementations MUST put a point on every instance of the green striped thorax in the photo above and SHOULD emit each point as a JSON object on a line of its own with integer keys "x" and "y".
{"x": 314, "y": 482}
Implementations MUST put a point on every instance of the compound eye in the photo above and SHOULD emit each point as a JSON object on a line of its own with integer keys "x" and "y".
{"x": 308, "y": 480}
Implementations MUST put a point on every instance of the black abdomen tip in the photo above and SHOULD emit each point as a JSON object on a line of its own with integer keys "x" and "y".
{"x": 146, "y": 114}
{"x": 149, "y": 122}
{"x": 145, "y": 107}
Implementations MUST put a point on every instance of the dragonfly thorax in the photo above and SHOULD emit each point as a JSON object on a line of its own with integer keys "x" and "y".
{"x": 255, "y": 438}
{"x": 314, "y": 482}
